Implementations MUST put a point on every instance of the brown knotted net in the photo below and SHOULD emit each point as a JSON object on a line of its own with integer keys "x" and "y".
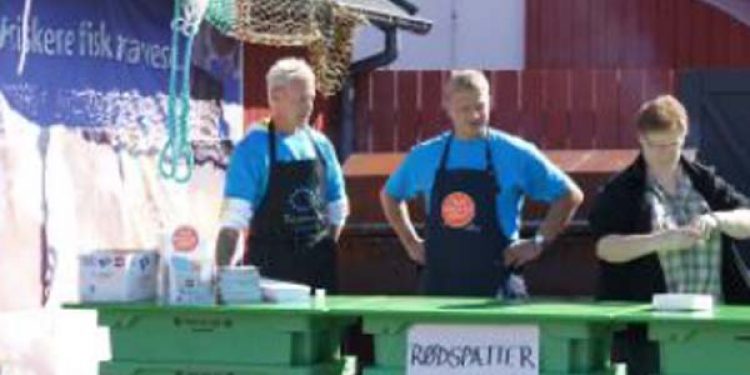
{"x": 325, "y": 27}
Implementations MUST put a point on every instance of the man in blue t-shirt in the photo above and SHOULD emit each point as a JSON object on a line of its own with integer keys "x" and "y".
{"x": 285, "y": 188}
{"x": 474, "y": 180}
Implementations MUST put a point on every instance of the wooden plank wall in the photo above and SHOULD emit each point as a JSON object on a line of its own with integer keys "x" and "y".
{"x": 608, "y": 34}
{"x": 590, "y": 63}
{"x": 555, "y": 108}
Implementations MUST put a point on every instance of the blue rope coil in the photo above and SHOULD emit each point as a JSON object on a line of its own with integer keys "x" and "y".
{"x": 177, "y": 151}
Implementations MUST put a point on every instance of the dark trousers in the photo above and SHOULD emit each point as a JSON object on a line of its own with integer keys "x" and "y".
{"x": 633, "y": 347}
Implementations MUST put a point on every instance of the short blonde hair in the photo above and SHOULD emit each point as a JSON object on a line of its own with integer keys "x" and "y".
{"x": 467, "y": 80}
{"x": 287, "y": 70}
{"x": 664, "y": 113}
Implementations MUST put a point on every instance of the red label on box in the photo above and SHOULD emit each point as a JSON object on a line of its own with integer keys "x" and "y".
{"x": 185, "y": 239}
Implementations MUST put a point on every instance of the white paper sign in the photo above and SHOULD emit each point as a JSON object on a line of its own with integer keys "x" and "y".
{"x": 472, "y": 349}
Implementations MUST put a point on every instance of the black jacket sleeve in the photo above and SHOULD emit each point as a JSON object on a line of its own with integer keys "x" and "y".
{"x": 613, "y": 211}
{"x": 721, "y": 195}
{"x": 726, "y": 197}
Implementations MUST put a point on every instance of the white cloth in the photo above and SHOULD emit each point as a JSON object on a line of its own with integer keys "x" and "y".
{"x": 337, "y": 212}
{"x": 237, "y": 213}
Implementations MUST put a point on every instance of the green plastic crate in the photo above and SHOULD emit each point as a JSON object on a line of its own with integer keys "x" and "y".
{"x": 574, "y": 338}
{"x": 699, "y": 343}
{"x": 236, "y": 336}
{"x": 690, "y": 349}
{"x": 343, "y": 367}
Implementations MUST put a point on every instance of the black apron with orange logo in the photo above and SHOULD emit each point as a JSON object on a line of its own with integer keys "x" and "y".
{"x": 465, "y": 242}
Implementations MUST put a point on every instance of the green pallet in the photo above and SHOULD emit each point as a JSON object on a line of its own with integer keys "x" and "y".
{"x": 135, "y": 368}
{"x": 222, "y": 336}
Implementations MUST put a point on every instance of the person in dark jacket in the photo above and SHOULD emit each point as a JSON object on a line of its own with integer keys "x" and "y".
{"x": 667, "y": 224}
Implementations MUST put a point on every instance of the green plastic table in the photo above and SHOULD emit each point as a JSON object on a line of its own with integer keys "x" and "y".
{"x": 574, "y": 337}
{"x": 699, "y": 343}
{"x": 146, "y": 339}
{"x": 272, "y": 339}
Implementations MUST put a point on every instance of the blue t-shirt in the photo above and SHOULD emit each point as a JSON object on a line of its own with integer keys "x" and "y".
{"x": 521, "y": 170}
{"x": 247, "y": 176}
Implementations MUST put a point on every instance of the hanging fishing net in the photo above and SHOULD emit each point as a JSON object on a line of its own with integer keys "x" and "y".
{"x": 325, "y": 27}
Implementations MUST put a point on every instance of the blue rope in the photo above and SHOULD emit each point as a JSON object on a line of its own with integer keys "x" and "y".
{"x": 177, "y": 150}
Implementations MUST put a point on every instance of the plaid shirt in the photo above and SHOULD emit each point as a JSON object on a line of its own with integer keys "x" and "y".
{"x": 693, "y": 270}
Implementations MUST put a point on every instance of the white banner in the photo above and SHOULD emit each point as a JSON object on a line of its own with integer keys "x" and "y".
{"x": 473, "y": 349}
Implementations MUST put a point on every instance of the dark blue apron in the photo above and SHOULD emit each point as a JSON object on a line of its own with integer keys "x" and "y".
{"x": 289, "y": 237}
{"x": 465, "y": 241}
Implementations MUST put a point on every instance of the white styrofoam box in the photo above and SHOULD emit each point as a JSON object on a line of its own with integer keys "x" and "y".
{"x": 239, "y": 284}
{"x": 230, "y": 271}
{"x": 237, "y": 279}
{"x": 190, "y": 282}
{"x": 236, "y": 276}
{"x": 187, "y": 272}
{"x": 284, "y": 292}
{"x": 242, "y": 292}
{"x": 255, "y": 291}
{"x": 242, "y": 298}
{"x": 117, "y": 275}
{"x": 683, "y": 302}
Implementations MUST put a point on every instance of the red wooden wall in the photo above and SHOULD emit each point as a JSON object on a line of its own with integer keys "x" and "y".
{"x": 257, "y": 60}
{"x": 590, "y": 63}
{"x": 601, "y": 34}
{"x": 555, "y": 108}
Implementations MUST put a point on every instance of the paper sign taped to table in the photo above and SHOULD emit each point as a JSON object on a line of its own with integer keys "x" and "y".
{"x": 472, "y": 349}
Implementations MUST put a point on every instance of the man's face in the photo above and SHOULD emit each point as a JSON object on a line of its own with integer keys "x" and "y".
{"x": 468, "y": 109}
{"x": 662, "y": 148}
{"x": 295, "y": 101}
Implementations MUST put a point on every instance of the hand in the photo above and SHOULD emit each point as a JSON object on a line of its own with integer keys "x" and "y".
{"x": 705, "y": 225}
{"x": 678, "y": 238}
{"x": 520, "y": 253}
{"x": 416, "y": 251}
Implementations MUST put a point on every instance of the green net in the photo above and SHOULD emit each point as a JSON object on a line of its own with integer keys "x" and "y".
{"x": 222, "y": 15}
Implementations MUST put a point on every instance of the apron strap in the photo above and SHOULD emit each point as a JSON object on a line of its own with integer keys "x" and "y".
{"x": 271, "y": 184}
{"x": 320, "y": 168}
{"x": 318, "y": 151}
{"x": 446, "y": 150}
{"x": 272, "y": 144}
{"x": 272, "y": 141}
{"x": 489, "y": 164}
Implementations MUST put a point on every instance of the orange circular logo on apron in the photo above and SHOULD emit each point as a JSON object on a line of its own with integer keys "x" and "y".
{"x": 457, "y": 210}
{"x": 185, "y": 238}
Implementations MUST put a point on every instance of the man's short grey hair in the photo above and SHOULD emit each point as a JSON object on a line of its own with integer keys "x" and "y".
{"x": 467, "y": 80}
{"x": 287, "y": 70}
